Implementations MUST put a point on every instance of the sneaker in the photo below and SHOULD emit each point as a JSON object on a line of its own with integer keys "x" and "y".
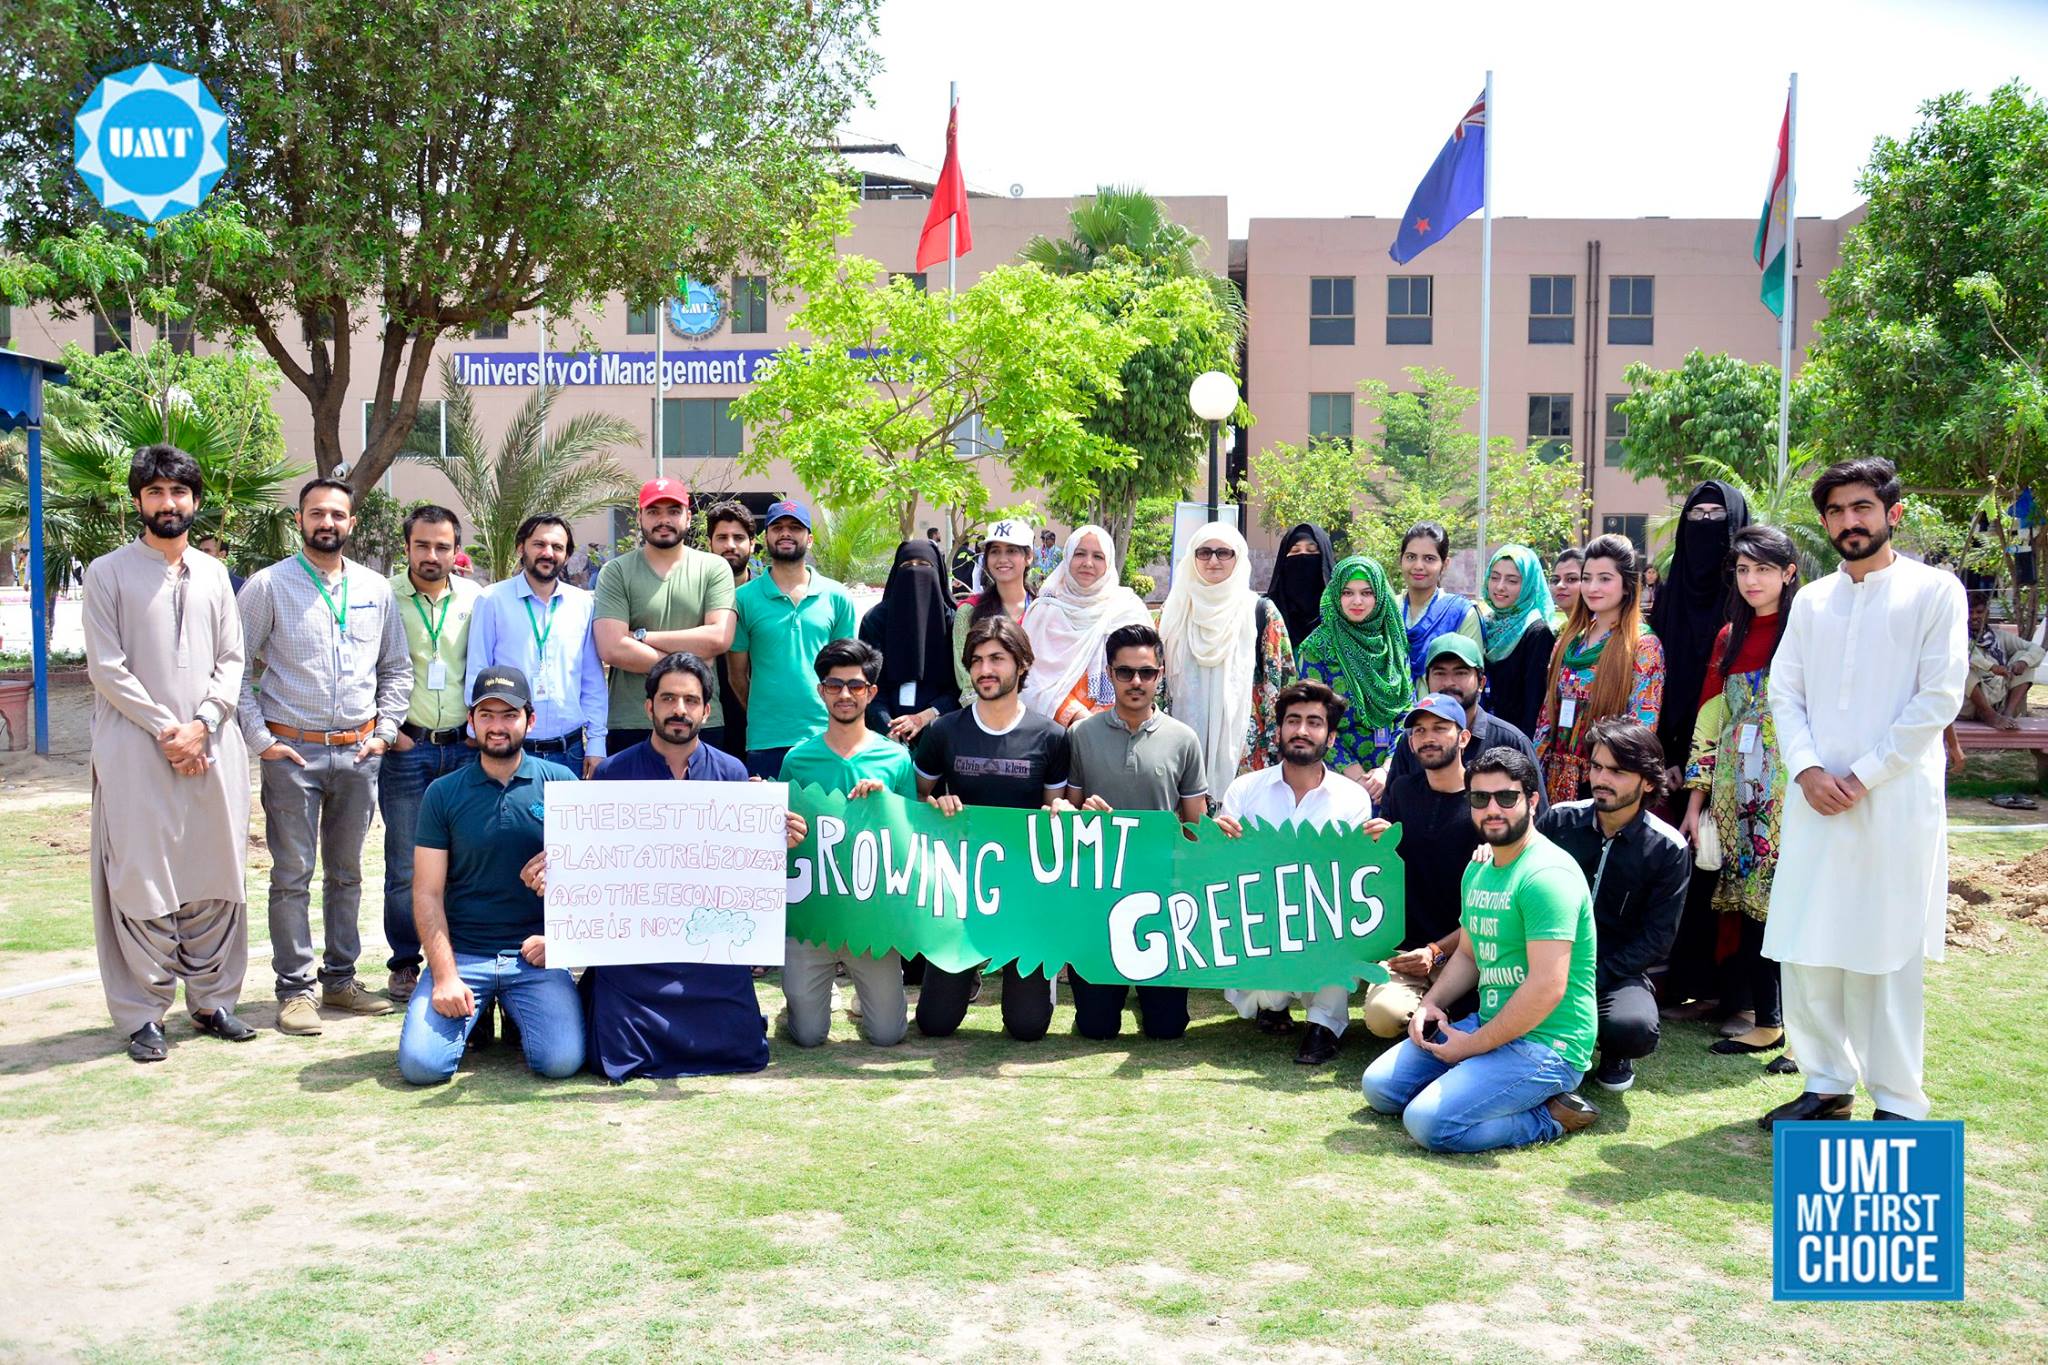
{"x": 1573, "y": 1111}
{"x": 1614, "y": 1073}
{"x": 299, "y": 1016}
{"x": 400, "y": 986}
{"x": 352, "y": 997}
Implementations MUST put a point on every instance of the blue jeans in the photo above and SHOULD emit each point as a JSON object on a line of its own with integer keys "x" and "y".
{"x": 402, "y": 781}
{"x": 541, "y": 1000}
{"x": 570, "y": 758}
{"x": 1492, "y": 1100}
{"x": 765, "y": 764}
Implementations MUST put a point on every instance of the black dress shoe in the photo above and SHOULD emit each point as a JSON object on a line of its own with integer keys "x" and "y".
{"x": 1275, "y": 1021}
{"x": 1810, "y": 1105}
{"x": 147, "y": 1044}
{"x": 1318, "y": 1045}
{"x": 223, "y": 1024}
{"x": 1887, "y": 1116}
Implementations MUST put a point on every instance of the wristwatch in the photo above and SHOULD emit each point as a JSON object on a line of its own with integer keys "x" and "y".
{"x": 641, "y": 635}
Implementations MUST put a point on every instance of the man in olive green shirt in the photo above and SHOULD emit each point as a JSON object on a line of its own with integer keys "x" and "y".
{"x": 664, "y": 599}
{"x": 435, "y": 604}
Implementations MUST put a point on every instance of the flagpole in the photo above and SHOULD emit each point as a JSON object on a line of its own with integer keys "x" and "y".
{"x": 1785, "y": 313}
{"x": 1485, "y": 313}
{"x": 953, "y": 223}
{"x": 660, "y": 326}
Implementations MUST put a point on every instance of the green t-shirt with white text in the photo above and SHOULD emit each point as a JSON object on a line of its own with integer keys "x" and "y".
{"x": 1540, "y": 895}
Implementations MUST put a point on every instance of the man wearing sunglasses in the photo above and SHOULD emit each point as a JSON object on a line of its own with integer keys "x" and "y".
{"x": 1504, "y": 1076}
{"x": 848, "y": 758}
{"x": 1134, "y": 757}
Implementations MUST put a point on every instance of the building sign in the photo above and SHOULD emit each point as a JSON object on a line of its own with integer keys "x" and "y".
{"x": 150, "y": 142}
{"x": 606, "y": 369}
{"x": 698, "y": 312}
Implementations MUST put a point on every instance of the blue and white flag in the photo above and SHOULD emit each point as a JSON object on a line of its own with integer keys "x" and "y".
{"x": 1453, "y": 191}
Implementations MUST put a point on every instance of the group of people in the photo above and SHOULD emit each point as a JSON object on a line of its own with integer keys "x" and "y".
{"x": 1731, "y": 809}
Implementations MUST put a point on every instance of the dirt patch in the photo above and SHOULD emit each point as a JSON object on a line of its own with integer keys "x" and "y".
{"x": 1985, "y": 895}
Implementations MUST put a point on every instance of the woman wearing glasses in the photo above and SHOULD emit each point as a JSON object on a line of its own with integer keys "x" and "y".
{"x": 1227, "y": 656}
{"x": 1075, "y": 613}
{"x": 1361, "y": 651}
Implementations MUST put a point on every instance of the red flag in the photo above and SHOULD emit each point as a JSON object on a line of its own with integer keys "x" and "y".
{"x": 949, "y": 200}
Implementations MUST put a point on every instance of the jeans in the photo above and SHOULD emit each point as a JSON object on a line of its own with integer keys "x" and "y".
{"x": 1099, "y": 1010}
{"x": 1629, "y": 1027}
{"x": 324, "y": 806}
{"x": 542, "y": 1001}
{"x": 766, "y": 764}
{"x": 1027, "y": 1002}
{"x": 1492, "y": 1100}
{"x": 402, "y": 780}
{"x": 570, "y": 758}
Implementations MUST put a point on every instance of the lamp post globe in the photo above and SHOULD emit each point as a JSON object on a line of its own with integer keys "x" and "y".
{"x": 1213, "y": 396}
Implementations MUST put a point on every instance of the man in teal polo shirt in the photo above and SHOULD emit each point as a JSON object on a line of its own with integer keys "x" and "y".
{"x": 785, "y": 617}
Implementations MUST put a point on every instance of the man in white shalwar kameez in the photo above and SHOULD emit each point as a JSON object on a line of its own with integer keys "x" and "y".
{"x": 170, "y": 769}
{"x": 1868, "y": 674}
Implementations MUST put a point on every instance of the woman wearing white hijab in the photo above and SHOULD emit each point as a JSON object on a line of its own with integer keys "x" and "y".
{"x": 1227, "y": 655}
{"x": 1078, "y": 606}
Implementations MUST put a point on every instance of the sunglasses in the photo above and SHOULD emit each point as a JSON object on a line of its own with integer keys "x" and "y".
{"x": 852, "y": 686}
{"x": 1222, "y": 552}
{"x": 1506, "y": 800}
{"x": 1135, "y": 675}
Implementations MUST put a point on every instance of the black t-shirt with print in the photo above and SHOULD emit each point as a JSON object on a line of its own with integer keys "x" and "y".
{"x": 1011, "y": 769}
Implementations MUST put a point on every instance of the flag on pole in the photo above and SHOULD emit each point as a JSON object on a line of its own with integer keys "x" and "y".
{"x": 1453, "y": 191}
{"x": 1770, "y": 227}
{"x": 949, "y": 200}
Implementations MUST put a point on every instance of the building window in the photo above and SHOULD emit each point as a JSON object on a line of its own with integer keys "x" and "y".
{"x": 1617, "y": 429}
{"x": 1550, "y": 309}
{"x": 1332, "y": 314}
{"x": 1629, "y": 310}
{"x": 112, "y": 329}
{"x": 916, "y": 278}
{"x": 179, "y": 333}
{"x": 1550, "y": 423}
{"x": 700, "y": 428}
{"x": 6, "y": 324}
{"x": 750, "y": 303}
{"x": 1329, "y": 417}
{"x": 640, "y": 319}
{"x": 429, "y": 434}
{"x": 974, "y": 437}
{"x": 491, "y": 329}
{"x": 1634, "y": 525}
{"x": 1408, "y": 320}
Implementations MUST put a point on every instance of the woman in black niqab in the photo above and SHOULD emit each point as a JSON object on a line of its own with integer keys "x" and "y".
{"x": 1299, "y": 579}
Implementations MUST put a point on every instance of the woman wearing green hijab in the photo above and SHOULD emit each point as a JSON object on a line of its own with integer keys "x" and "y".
{"x": 1517, "y": 616}
{"x": 1361, "y": 651}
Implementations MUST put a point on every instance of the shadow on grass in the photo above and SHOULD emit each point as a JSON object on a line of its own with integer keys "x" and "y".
{"x": 52, "y": 1051}
{"x": 1720, "y": 1163}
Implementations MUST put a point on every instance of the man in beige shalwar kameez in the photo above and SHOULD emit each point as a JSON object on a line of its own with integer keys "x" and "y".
{"x": 170, "y": 769}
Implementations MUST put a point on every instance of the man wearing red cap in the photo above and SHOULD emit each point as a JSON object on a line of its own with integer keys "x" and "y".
{"x": 666, "y": 599}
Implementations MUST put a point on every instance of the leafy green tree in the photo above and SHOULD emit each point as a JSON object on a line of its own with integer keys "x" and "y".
{"x": 565, "y": 468}
{"x": 854, "y": 543}
{"x": 1715, "y": 410}
{"x": 869, "y": 410}
{"x": 1316, "y": 483}
{"x": 436, "y": 165}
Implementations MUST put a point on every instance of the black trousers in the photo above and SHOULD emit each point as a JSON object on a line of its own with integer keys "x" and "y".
{"x": 1693, "y": 973}
{"x": 1629, "y": 1027}
{"x": 942, "y": 1003}
{"x": 1099, "y": 1010}
{"x": 1753, "y": 978}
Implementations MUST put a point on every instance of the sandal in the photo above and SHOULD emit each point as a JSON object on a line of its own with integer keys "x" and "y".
{"x": 2015, "y": 801}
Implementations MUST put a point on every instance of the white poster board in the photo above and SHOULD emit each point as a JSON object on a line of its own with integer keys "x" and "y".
{"x": 642, "y": 872}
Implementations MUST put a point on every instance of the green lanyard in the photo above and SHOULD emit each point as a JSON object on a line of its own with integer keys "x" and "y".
{"x": 540, "y": 636}
{"x": 340, "y": 612}
{"x": 433, "y": 628}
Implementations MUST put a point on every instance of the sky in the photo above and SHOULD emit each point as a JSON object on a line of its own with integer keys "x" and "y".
{"x": 1296, "y": 109}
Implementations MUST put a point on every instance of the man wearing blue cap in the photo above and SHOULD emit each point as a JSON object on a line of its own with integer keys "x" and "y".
{"x": 785, "y": 617}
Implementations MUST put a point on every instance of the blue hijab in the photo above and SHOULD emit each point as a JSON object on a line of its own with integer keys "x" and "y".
{"x": 1444, "y": 614}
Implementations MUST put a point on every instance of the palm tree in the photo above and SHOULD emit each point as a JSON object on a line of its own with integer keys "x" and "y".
{"x": 1122, "y": 224}
{"x": 563, "y": 468}
{"x": 855, "y": 544}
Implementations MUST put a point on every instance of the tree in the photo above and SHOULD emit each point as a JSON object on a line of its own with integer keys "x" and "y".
{"x": 1125, "y": 232}
{"x": 1713, "y": 409}
{"x": 1933, "y": 350}
{"x": 564, "y": 468}
{"x": 446, "y": 165}
{"x": 869, "y": 411}
{"x": 855, "y": 543}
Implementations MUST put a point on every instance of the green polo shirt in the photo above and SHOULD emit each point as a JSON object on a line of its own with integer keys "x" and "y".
{"x": 781, "y": 640}
{"x": 818, "y": 764}
{"x": 629, "y": 590}
{"x": 437, "y": 631}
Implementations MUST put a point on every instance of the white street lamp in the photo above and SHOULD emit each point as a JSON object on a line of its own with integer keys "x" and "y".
{"x": 1213, "y": 396}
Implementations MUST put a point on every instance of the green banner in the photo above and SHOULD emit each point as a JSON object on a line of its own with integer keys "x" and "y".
{"x": 1119, "y": 895}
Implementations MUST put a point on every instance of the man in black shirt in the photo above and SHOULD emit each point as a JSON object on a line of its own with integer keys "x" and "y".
{"x": 1455, "y": 667}
{"x": 1437, "y": 839}
{"x": 993, "y": 753}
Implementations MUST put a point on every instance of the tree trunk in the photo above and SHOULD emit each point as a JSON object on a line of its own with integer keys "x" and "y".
{"x": 1117, "y": 519}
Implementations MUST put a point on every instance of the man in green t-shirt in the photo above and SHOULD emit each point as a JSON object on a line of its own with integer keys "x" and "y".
{"x": 853, "y": 759}
{"x": 665, "y": 598}
{"x": 785, "y": 617}
{"x": 1505, "y": 1076}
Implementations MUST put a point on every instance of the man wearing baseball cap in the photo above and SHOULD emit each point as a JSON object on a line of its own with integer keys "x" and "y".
{"x": 785, "y": 617}
{"x": 1455, "y": 667}
{"x": 479, "y": 922}
{"x": 664, "y": 599}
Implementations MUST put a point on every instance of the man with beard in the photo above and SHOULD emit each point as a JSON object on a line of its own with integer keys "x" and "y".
{"x": 1300, "y": 789}
{"x": 336, "y": 682}
{"x": 170, "y": 776}
{"x": 993, "y": 752}
{"x": 479, "y": 924}
{"x": 1437, "y": 839}
{"x": 538, "y": 624}
{"x": 1456, "y": 668}
{"x": 1503, "y": 1076}
{"x": 1870, "y": 669}
{"x": 785, "y": 617}
{"x": 435, "y": 604}
{"x": 730, "y": 529}
{"x": 666, "y": 599}
{"x": 853, "y": 760}
{"x": 1639, "y": 867}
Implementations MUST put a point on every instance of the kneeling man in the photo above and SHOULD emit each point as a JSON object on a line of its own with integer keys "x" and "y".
{"x": 479, "y": 923}
{"x": 1503, "y": 1077}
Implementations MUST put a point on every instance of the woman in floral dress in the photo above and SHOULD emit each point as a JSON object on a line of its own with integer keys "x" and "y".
{"x": 1606, "y": 663}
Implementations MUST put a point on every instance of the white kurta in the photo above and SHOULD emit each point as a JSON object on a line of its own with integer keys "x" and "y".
{"x": 1865, "y": 680}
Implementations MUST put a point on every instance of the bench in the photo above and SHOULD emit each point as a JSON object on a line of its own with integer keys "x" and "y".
{"x": 1976, "y": 737}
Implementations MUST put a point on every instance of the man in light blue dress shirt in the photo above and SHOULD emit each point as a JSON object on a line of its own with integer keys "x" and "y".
{"x": 540, "y": 625}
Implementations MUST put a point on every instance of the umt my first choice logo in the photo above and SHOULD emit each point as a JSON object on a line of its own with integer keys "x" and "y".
{"x": 150, "y": 142}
